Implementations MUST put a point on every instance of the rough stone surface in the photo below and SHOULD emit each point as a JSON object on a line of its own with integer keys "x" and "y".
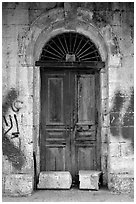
{"x": 121, "y": 164}
{"x": 122, "y": 183}
{"x": 89, "y": 179}
{"x": 55, "y": 180}
{"x": 18, "y": 184}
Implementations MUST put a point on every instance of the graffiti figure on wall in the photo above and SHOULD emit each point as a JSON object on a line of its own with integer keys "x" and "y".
{"x": 16, "y": 106}
{"x": 122, "y": 116}
{"x": 13, "y": 153}
{"x": 15, "y": 134}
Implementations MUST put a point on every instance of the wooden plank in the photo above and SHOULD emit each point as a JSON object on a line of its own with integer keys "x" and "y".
{"x": 71, "y": 65}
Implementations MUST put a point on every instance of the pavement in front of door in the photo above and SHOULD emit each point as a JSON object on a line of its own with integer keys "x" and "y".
{"x": 73, "y": 195}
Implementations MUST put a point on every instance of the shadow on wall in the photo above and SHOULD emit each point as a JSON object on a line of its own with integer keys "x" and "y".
{"x": 13, "y": 153}
{"x": 123, "y": 123}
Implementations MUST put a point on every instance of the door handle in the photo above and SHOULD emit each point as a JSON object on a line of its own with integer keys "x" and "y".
{"x": 71, "y": 127}
{"x": 67, "y": 128}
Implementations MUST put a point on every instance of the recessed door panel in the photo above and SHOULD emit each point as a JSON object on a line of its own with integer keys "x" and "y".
{"x": 86, "y": 98}
{"x": 55, "y": 100}
{"x": 86, "y": 157}
{"x": 56, "y": 155}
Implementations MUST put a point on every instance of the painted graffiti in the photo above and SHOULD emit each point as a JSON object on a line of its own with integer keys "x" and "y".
{"x": 15, "y": 134}
{"x": 122, "y": 116}
{"x": 17, "y": 105}
{"x": 12, "y": 152}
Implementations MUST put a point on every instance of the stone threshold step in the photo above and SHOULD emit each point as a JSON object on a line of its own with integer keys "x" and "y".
{"x": 55, "y": 180}
{"x": 63, "y": 180}
{"x": 89, "y": 179}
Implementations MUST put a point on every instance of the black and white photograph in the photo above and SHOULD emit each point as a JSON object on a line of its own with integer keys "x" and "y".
{"x": 67, "y": 101}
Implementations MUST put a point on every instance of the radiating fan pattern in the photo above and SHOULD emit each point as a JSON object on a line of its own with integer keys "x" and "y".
{"x": 72, "y": 47}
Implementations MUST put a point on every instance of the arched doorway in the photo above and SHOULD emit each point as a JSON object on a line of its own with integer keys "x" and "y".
{"x": 70, "y": 104}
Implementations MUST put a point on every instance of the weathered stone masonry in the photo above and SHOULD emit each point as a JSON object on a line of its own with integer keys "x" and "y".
{"x": 26, "y": 29}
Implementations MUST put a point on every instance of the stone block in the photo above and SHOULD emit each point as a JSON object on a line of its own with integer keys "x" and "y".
{"x": 116, "y": 102}
{"x": 34, "y": 14}
{"x": 89, "y": 179}
{"x": 14, "y": 31}
{"x": 55, "y": 180}
{"x": 128, "y": 132}
{"x": 15, "y": 5}
{"x": 114, "y": 61}
{"x": 6, "y": 165}
{"x": 127, "y": 149}
{"x": 114, "y": 149}
{"x": 113, "y": 87}
{"x": 42, "y": 5}
{"x": 121, "y": 183}
{"x": 18, "y": 184}
{"x": 127, "y": 18}
{"x": 9, "y": 5}
{"x": 127, "y": 71}
{"x": 128, "y": 119}
{"x": 114, "y": 135}
{"x": 122, "y": 164}
{"x": 27, "y": 119}
{"x": 113, "y": 75}
{"x": 116, "y": 18}
{"x": 15, "y": 17}
{"x": 126, "y": 46}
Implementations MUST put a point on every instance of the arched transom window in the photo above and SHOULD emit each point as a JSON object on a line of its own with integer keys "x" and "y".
{"x": 70, "y": 47}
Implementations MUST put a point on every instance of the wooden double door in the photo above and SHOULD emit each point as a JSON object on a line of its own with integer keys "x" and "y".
{"x": 69, "y": 121}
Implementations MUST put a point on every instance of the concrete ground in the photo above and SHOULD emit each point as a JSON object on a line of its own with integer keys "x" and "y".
{"x": 72, "y": 195}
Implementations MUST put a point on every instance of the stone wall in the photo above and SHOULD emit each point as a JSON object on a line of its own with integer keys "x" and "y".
{"x": 115, "y": 22}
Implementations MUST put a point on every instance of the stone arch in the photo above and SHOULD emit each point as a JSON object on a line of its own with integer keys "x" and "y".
{"x": 42, "y": 30}
{"x": 54, "y": 22}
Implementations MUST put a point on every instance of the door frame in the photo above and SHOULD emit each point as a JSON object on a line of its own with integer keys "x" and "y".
{"x": 92, "y": 67}
{"x": 103, "y": 130}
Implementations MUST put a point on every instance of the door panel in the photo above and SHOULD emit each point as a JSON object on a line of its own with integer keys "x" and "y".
{"x": 56, "y": 157}
{"x": 86, "y": 157}
{"x": 86, "y": 98}
{"x": 85, "y": 126}
{"x": 55, "y": 100}
{"x": 68, "y": 121}
{"x": 55, "y": 117}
